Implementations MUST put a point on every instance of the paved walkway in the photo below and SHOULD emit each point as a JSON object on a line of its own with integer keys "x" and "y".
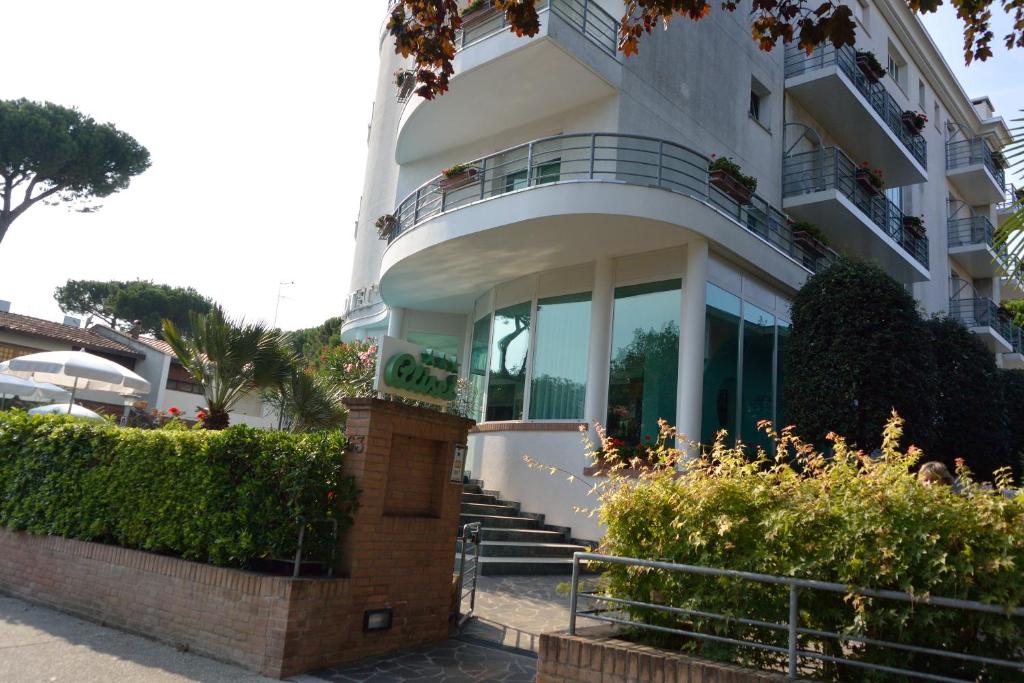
{"x": 513, "y": 611}
{"x": 453, "y": 661}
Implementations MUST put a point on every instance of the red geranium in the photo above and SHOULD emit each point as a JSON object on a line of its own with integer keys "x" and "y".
{"x": 201, "y": 415}
{"x": 174, "y": 410}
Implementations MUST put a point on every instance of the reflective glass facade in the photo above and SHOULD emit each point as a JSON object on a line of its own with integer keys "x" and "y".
{"x": 562, "y": 343}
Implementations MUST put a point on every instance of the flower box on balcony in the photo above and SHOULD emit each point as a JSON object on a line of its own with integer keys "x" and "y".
{"x": 870, "y": 66}
{"x": 386, "y": 226}
{"x": 914, "y": 121}
{"x": 870, "y": 181}
{"x": 455, "y": 177}
{"x": 477, "y": 13}
{"x": 726, "y": 175}
{"x": 809, "y": 238}
{"x": 914, "y": 226}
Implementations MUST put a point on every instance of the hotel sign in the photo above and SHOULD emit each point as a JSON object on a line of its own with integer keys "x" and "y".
{"x": 416, "y": 372}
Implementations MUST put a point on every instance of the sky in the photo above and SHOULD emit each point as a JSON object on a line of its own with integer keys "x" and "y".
{"x": 255, "y": 114}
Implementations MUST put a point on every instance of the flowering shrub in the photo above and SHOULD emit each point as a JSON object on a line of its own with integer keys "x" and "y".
{"x": 350, "y": 367}
{"x": 456, "y": 170}
{"x": 228, "y": 497}
{"x": 848, "y": 518}
{"x": 915, "y": 119}
{"x": 873, "y": 176}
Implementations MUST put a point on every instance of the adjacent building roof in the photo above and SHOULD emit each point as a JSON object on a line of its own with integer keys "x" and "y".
{"x": 75, "y": 336}
{"x": 158, "y": 344}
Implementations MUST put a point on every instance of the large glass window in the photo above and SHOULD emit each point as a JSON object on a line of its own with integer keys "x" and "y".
{"x": 721, "y": 358}
{"x": 510, "y": 344}
{"x": 442, "y": 343}
{"x": 758, "y": 401}
{"x": 478, "y": 364}
{"x": 644, "y": 359}
{"x": 560, "y": 358}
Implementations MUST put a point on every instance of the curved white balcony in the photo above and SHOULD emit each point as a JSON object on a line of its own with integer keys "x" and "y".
{"x": 570, "y": 199}
{"x": 501, "y": 78}
{"x": 976, "y": 171}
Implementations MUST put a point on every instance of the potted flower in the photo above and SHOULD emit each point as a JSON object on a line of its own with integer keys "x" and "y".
{"x": 454, "y": 177}
{"x": 387, "y": 226}
{"x": 405, "y": 81}
{"x": 914, "y": 225}
{"x": 870, "y": 66}
{"x": 726, "y": 175}
{"x": 476, "y": 12}
{"x": 808, "y": 236}
{"x": 914, "y": 121}
{"x": 870, "y": 179}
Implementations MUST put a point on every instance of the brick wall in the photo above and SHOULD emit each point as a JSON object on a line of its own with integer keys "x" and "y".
{"x": 596, "y": 656}
{"x": 393, "y": 557}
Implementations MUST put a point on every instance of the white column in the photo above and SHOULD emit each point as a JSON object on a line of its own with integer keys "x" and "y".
{"x": 599, "y": 357}
{"x": 395, "y": 317}
{"x": 691, "y": 341}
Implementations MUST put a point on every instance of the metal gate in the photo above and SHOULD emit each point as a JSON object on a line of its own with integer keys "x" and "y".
{"x": 469, "y": 568}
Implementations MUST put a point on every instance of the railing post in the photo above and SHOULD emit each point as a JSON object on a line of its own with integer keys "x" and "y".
{"x": 462, "y": 568}
{"x": 483, "y": 177}
{"x": 794, "y": 619}
{"x": 529, "y": 165}
{"x": 573, "y": 591}
{"x": 661, "y": 157}
{"x": 586, "y": 6}
{"x": 416, "y": 207}
{"x": 593, "y": 153}
{"x": 477, "y": 538}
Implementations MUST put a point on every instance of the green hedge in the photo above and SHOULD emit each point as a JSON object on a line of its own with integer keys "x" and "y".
{"x": 228, "y": 497}
{"x": 846, "y": 519}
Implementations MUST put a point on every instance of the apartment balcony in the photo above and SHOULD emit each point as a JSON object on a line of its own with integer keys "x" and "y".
{"x": 970, "y": 245}
{"x": 860, "y": 114}
{"x": 502, "y": 79}
{"x": 981, "y": 316}
{"x": 824, "y": 187}
{"x": 1013, "y": 201}
{"x": 1014, "y": 360}
{"x": 975, "y": 171}
{"x": 571, "y": 199}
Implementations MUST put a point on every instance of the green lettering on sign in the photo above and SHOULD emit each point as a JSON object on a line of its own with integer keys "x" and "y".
{"x": 404, "y": 372}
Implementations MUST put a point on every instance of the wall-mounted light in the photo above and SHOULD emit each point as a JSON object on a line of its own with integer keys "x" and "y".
{"x": 377, "y": 619}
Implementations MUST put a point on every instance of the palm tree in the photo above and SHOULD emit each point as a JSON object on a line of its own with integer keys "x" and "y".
{"x": 229, "y": 359}
{"x": 1009, "y": 234}
{"x": 306, "y": 402}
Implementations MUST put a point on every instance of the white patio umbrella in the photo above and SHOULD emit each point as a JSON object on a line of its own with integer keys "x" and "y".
{"x": 78, "y": 370}
{"x": 65, "y": 409}
{"x": 30, "y": 390}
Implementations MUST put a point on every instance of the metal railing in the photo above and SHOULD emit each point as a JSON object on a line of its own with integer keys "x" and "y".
{"x": 468, "y": 572}
{"x": 845, "y": 58}
{"x": 830, "y": 169}
{"x": 601, "y": 157}
{"x": 981, "y": 312}
{"x": 970, "y": 230}
{"x": 585, "y": 16}
{"x": 975, "y": 151}
{"x": 793, "y": 652}
{"x": 1013, "y": 197}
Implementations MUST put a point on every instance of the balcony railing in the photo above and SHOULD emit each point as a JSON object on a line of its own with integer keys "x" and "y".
{"x": 830, "y": 169}
{"x": 601, "y": 157}
{"x": 799, "y": 62}
{"x": 585, "y": 16}
{"x": 981, "y": 312}
{"x": 970, "y": 152}
{"x": 1012, "y": 197}
{"x": 972, "y": 230}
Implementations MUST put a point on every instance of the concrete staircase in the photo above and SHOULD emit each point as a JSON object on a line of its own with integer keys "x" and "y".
{"x": 513, "y": 541}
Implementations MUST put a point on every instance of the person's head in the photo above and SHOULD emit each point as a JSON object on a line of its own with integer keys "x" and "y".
{"x": 934, "y": 472}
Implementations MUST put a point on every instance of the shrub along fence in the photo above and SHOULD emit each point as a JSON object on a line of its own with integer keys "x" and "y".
{"x": 233, "y": 498}
{"x": 847, "y": 519}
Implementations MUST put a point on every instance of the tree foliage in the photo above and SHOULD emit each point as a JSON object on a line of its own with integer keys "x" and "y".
{"x": 307, "y": 402}
{"x": 310, "y": 341}
{"x": 120, "y": 303}
{"x": 54, "y": 154}
{"x": 426, "y": 29}
{"x": 230, "y": 358}
{"x": 855, "y": 354}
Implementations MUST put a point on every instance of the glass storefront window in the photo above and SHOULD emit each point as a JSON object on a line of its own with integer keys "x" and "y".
{"x": 506, "y": 385}
{"x": 721, "y": 357}
{"x": 442, "y": 343}
{"x": 758, "y": 374}
{"x": 559, "y": 384}
{"x": 478, "y": 364}
{"x": 644, "y": 359}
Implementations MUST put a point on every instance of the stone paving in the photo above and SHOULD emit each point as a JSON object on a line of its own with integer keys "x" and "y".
{"x": 514, "y": 610}
{"x": 453, "y": 661}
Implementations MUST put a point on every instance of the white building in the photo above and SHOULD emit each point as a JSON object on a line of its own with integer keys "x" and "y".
{"x": 586, "y": 268}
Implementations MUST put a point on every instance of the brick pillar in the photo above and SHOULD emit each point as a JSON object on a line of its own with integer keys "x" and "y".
{"x": 400, "y": 551}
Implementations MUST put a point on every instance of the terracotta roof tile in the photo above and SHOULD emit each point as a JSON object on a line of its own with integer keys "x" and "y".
{"x": 76, "y": 336}
{"x": 158, "y": 344}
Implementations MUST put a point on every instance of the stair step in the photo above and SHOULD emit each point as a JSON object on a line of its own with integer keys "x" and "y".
{"x": 479, "y": 498}
{"x": 490, "y": 509}
{"x": 521, "y": 535}
{"x": 499, "y": 521}
{"x": 493, "y": 566}
{"x": 524, "y": 549}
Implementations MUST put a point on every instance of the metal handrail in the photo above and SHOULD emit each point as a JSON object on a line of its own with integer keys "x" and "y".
{"x": 468, "y": 573}
{"x": 975, "y": 151}
{"x": 586, "y": 16}
{"x": 829, "y": 168}
{"x": 970, "y": 230}
{"x": 981, "y": 312}
{"x": 797, "y": 62}
{"x": 792, "y": 626}
{"x": 603, "y": 157}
